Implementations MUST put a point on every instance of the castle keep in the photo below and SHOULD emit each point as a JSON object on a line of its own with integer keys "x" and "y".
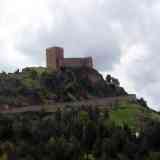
{"x": 56, "y": 60}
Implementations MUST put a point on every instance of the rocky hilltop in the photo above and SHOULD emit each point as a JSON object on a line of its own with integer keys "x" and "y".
{"x": 33, "y": 86}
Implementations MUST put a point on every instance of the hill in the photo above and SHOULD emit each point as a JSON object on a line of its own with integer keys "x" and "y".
{"x": 133, "y": 114}
{"x": 81, "y": 133}
{"x": 124, "y": 130}
{"x": 39, "y": 86}
{"x": 35, "y": 86}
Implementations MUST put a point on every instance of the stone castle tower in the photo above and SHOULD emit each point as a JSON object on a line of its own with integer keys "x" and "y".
{"x": 56, "y": 60}
{"x": 55, "y": 56}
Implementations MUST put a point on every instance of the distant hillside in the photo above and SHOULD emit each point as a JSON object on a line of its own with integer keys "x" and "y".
{"x": 35, "y": 86}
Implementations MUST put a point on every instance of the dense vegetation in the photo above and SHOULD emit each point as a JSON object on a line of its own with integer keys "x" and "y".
{"x": 39, "y": 85}
{"x": 75, "y": 134}
{"x": 129, "y": 131}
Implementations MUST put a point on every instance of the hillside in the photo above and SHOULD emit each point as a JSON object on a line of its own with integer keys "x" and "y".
{"x": 39, "y": 86}
{"x": 35, "y": 86}
{"x": 81, "y": 133}
{"x": 134, "y": 115}
{"x": 121, "y": 129}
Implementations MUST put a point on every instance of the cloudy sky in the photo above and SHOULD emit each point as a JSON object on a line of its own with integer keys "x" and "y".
{"x": 122, "y": 36}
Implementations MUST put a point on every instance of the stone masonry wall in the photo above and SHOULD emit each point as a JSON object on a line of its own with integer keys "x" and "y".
{"x": 55, "y": 59}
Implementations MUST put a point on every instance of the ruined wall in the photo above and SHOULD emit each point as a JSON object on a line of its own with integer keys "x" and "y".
{"x": 78, "y": 62}
{"x": 56, "y": 60}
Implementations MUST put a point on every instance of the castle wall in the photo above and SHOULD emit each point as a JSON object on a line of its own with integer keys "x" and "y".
{"x": 72, "y": 62}
{"x": 88, "y": 62}
{"x": 78, "y": 62}
{"x": 56, "y": 60}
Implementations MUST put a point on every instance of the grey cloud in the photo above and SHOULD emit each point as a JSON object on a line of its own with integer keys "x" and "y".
{"x": 80, "y": 35}
{"x": 87, "y": 34}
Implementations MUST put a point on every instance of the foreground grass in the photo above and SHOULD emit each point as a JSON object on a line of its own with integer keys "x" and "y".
{"x": 134, "y": 115}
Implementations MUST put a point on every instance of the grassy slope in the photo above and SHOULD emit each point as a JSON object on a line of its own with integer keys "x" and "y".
{"x": 133, "y": 115}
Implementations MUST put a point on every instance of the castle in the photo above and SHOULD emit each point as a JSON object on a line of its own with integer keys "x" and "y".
{"x": 56, "y": 60}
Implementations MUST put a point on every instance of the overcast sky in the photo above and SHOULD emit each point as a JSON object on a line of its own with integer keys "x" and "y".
{"x": 123, "y": 36}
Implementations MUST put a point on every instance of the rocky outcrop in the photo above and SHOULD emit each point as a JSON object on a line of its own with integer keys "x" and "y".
{"x": 34, "y": 86}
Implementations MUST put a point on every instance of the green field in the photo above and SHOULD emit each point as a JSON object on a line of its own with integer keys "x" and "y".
{"x": 132, "y": 114}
